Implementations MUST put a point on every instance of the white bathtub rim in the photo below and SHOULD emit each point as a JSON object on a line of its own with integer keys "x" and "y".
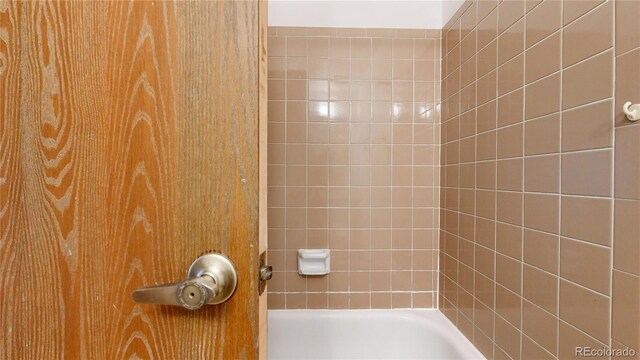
{"x": 432, "y": 318}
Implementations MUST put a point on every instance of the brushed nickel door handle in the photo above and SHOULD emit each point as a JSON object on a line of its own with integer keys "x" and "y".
{"x": 212, "y": 279}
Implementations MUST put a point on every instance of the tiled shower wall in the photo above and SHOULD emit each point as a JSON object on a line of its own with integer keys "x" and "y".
{"x": 539, "y": 249}
{"x": 354, "y": 165}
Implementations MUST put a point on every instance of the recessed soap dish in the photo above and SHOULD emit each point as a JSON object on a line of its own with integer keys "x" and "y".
{"x": 313, "y": 261}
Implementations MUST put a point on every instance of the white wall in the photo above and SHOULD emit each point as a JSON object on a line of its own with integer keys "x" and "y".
{"x": 449, "y": 8}
{"x": 400, "y": 14}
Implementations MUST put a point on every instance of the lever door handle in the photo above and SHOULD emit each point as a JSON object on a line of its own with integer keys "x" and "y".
{"x": 211, "y": 279}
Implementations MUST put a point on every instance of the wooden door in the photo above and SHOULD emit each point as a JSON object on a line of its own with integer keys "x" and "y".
{"x": 129, "y": 145}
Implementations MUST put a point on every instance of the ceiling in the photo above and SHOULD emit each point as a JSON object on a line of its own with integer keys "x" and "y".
{"x": 399, "y": 14}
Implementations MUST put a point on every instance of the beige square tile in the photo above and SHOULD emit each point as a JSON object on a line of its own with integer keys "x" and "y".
{"x": 508, "y": 305}
{"x": 625, "y": 309}
{"x": 540, "y": 288}
{"x": 541, "y": 250}
{"x": 468, "y": 46}
{"x": 541, "y": 212}
{"x": 466, "y": 252}
{"x": 339, "y": 69}
{"x": 296, "y": 46}
{"x": 510, "y": 141}
{"x": 511, "y": 108}
{"x": 588, "y": 81}
{"x": 452, "y": 61}
{"x": 381, "y": 69}
{"x": 627, "y": 36}
{"x": 542, "y": 173}
{"x": 626, "y": 234}
{"x": 484, "y": 260}
{"x": 339, "y": 111}
{"x": 317, "y": 47}
{"x": 531, "y": 350}
{"x": 627, "y": 163}
{"x": 400, "y": 300}
{"x": 510, "y": 174}
{"x": 483, "y": 318}
{"x": 317, "y": 301}
{"x": 507, "y": 337}
{"x": 511, "y": 75}
{"x": 570, "y": 338}
{"x": 587, "y": 219}
{"x": 424, "y": 49}
{"x": 508, "y": 240}
{"x": 542, "y": 136}
{"x": 546, "y": 56}
{"x": 573, "y": 9}
{"x": 339, "y": 47}
{"x": 586, "y": 264}
{"x": 359, "y": 281}
{"x": 484, "y": 8}
{"x": 544, "y": 20}
{"x": 487, "y": 28}
{"x": 297, "y": 68}
{"x": 483, "y": 343}
{"x": 543, "y": 97}
{"x": 486, "y": 232}
{"x": 276, "y": 89}
{"x": 277, "y": 153}
{"x": 487, "y": 59}
{"x": 381, "y": 48}
{"x": 296, "y": 109}
{"x": 276, "y": 111}
{"x": 540, "y": 326}
{"x": 380, "y": 300}
{"x": 468, "y": 71}
{"x": 509, "y": 273}
{"x": 316, "y": 284}
{"x": 402, "y": 49}
{"x": 277, "y": 46}
{"x": 277, "y": 68}
{"x": 338, "y": 300}
{"x": 318, "y": 111}
{"x": 296, "y": 89}
{"x": 486, "y": 146}
{"x": 511, "y": 42}
{"x": 318, "y": 68}
{"x": 509, "y": 207}
{"x": 509, "y": 12}
{"x": 486, "y": 204}
{"x": 468, "y": 149}
{"x": 296, "y": 301}
{"x": 589, "y": 127}
{"x": 587, "y": 173}
{"x": 585, "y": 309}
{"x": 276, "y": 301}
{"x": 627, "y": 83}
{"x": 361, "y": 48}
{"x": 361, "y": 110}
{"x": 588, "y": 35}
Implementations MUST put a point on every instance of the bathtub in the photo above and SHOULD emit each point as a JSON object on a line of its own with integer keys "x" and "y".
{"x": 365, "y": 334}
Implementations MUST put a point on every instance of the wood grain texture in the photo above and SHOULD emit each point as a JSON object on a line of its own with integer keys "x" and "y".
{"x": 128, "y": 146}
{"x": 263, "y": 165}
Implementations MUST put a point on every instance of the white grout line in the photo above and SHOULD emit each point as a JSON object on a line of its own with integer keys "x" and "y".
{"x": 559, "y": 256}
{"x": 286, "y": 41}
{"x": 613, "y": 179}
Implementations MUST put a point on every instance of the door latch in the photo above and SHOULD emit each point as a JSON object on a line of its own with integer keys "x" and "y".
{"x": 265, "y": 273}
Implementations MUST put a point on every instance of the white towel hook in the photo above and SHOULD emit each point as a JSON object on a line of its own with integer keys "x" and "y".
{"x": 632, "y": 111}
